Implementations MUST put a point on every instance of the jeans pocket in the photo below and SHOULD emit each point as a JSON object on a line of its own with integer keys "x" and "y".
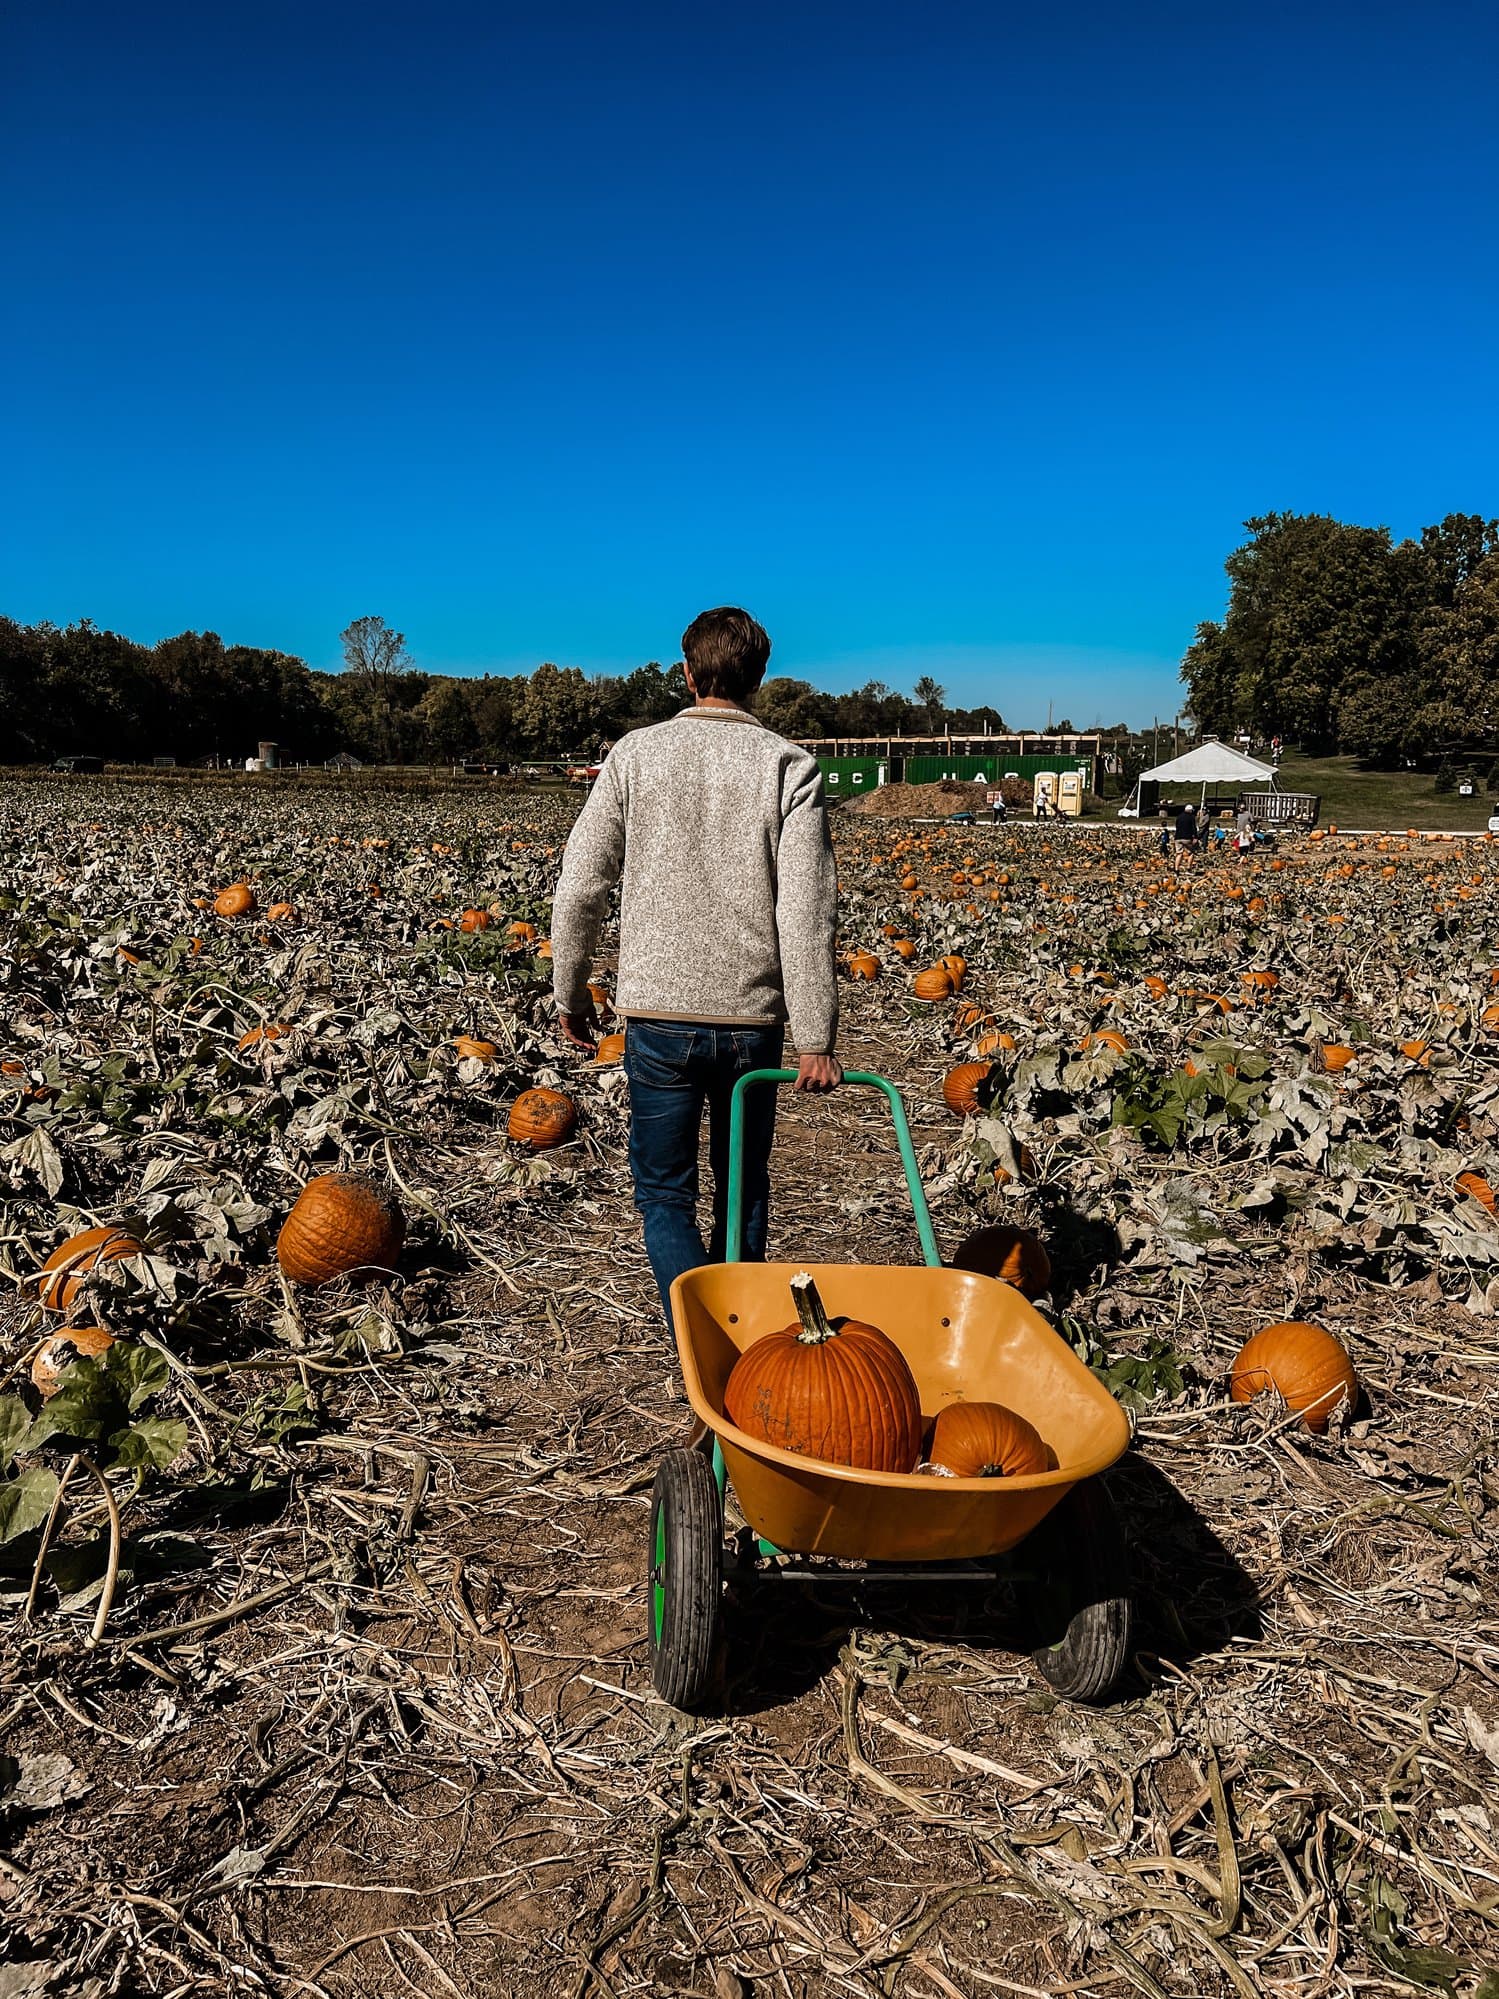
{"x": 656, "y": 1057}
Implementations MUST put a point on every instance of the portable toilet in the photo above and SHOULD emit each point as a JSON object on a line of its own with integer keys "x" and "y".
{"x": 1070, "y": 797}
{"x": 1044, "y": 801}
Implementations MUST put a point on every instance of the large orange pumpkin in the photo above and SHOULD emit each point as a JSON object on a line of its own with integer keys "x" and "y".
{"x": 471, "y": 1049}
{"x": 237, "y": 900}
{"x": 55, "y": 1355}
{"x": 65, "y": 1269}
{"x": 933, "y": 984}
{"x": 863, "y": 965}
{"x": 987, "y": 1440}
{"x": 474, "y": 919}
{"x": 611, "y": 1050}
{"x": 338, "y": 1223}
{"x": 1017, "y": 1256}
{"x": 961, "y": 1087}
{"x": 956, "y": 969}
{"x": 1303, "y": 1364}
{"x": 841, "y": 1392}
{"x": 542, "y": 1118}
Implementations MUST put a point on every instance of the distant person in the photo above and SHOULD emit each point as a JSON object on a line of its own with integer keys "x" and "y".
{"x": 1164, "y": 842}
{"x": 1186, "y": 828}
{"x": 997, "y": 808}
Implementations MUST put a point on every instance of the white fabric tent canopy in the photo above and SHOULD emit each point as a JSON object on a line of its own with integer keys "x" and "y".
{"x": 1211, "y": 762}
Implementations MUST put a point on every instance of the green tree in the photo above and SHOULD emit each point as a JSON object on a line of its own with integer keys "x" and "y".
{"x": 931, "y": 695}
{"x": 792, "y": 707}
{"x": 559, "y": 712}
{"x": 375, "y": 660}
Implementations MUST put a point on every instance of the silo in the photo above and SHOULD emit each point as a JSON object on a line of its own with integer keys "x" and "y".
{"x": 267, "y": 757}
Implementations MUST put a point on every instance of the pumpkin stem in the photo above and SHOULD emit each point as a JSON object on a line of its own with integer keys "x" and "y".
{"x": 816, "y": 1325}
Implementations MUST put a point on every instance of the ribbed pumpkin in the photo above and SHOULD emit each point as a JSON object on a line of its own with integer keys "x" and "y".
{"x": 863, "y": 965}
{"x": 1479, "y": 1188}
{"x": 58, "y": 1353}
{"x": 1303, "y": 1364}
{"x": 1106, "y": 1037}
{"x": 1015, "y": 1255}
{"x": 522, "y": 933}
{"x": 472, "y": 1050}
{"x": 474, "y": 919}
{"x": 610, "y": 1051}
{"x": 340, "y": 1222}
{"x": 65, "y": 1269}
{"x": 994, "y": 1041}
{"x": 956, "y": 969}
{"x": 542, "y": 1118}
{"x": 932, "y": 984}
{"x": 970, "y": 1017}
{"x": 961, "y": 1087}
{"x": 1331, "y": 1056}
{"x": 271, "y": 1030}
{"x": 987, "y": 1440}
{"x": 841, "y": 1392}
{"x": 237, "y": 900}
{"x": 903, "y": 947}
{"x": 600, "y": 999}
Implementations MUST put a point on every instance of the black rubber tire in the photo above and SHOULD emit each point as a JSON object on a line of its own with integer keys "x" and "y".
{"x": 684, "y": 1596}
{"x": 1078, "y": 1601}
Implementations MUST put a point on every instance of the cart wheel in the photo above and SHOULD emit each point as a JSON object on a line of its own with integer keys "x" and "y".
{"x": 686, "y": 1577}
{"x": 1078, "y": 1600}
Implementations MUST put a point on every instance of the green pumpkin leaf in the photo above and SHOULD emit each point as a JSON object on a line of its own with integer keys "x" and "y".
{"x": 15, "y": 1421}
{"x": 136, "y": 1372}
{"x": 26, "y": 1501}
{"x": 85, "y": 1407}
{"x": 154, "y": 1440}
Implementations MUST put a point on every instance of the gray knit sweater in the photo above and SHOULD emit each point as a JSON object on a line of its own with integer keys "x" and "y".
{"x": 717, "y": 828}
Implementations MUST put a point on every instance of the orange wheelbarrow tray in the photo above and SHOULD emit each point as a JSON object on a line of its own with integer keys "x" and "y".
{"x": 965, "y": 1338}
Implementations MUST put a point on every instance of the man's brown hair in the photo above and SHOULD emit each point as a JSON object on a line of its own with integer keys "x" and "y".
{"x": 727, "y": 653}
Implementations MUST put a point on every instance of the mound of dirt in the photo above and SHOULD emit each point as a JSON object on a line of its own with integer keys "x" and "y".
{"x": 921, "y": 801}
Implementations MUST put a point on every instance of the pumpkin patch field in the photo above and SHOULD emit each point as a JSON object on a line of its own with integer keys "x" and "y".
{"x": 334, "y": 1386}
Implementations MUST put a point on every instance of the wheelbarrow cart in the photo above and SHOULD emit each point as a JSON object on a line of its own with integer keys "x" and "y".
{"x": 1053, "y": 1535}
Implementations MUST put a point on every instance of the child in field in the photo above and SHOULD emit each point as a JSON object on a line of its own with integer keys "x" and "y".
{"x": 717, "y": 830}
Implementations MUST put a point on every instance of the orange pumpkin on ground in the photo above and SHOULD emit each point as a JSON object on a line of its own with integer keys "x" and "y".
{"x": 962, "y": 1087}
{"x": 542, "y": 1118}
{"x": 956, "y": 969}
{"x": 523, "y": 933}
{"x": 1106, "y": 1037}
{"x": 1479, "y": 1188}
{"x": 271, "y": 1030}
{"x": 1014, "y": 1255}
{"x": 987, "y": 1440}
{"x": 340, "y": 1222}
{"x": 55, "y": 1355}
{"x": 474, "y": 919}
{"x": 863, "y": 965}
{"x": 932, "y": 984}
{"x": 65, "y": 1269}
{"x": 1303, "y": 1364}
{"x": 472, "y": 1050}
{"x": 237, "y": 900}
{"x": 839, "y": 1391}
{"x": 610, "y": 1051}
{"x": 903, "y": 947}
{"x": 281, "y": 912}
{"x": 1331, "y": 1056}
{"x": 994, "y": 1042}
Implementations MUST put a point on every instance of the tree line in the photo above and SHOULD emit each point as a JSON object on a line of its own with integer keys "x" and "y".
{"x": 82, "y": 691}
{"x": 1343, "y": 640}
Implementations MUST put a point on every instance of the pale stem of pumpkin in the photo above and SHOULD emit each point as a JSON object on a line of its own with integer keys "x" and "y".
{"x": 816, "y": 1325}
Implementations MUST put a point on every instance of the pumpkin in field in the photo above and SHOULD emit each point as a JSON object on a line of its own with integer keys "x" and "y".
{"x": 1014, "y": 1255}
{"x": 338, "y": 1223}
{"x": 522, "y": 933}
{"x": 474, "y": 919}
{"x": 1417, "y": 1052}
{"x": 970, "y": 1018}
{"x": 1303, "y": 1364}
{"x": 542, "y": 1118}
{"x": 56, "y": 1355}
{"x": 1331, "y": 1056}
{"x": 903, "y": 947}
{"x": 987, "y": 1440}
{"x": 994, "y": 1041}
{"x": 1479, "y": 1188}
{"x": 836, "y": 1390}
{"x": 270, "y": 1030}
{"x": 611, "y": 1050}
{"x": 961, "y": 1087}
{"x": 600, "y": 1000}
{"x": 237, "y": 900}
{"x": 1106, "y": 1037}
{"x": 65, "y": 1269}
{"x": 472, "y": 1050}
{"x": 956, "y": 969}
{"x": 863, "y": 965}
{"x": 934, "y": 983}
{"x": 281, "y": 912}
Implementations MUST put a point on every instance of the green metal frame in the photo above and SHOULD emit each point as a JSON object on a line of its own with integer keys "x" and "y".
{"x": 858, "y": 1077}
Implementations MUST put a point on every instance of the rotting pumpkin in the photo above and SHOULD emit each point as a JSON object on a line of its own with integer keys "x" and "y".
{"x": 340, "y": 1222}
{"x": 542, "y": 1118}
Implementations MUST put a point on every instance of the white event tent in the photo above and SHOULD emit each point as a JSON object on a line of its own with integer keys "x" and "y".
{"x": 1212, "y": 763}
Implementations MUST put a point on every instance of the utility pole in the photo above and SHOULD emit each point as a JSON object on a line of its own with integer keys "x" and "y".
{"x": 1155, "y": 739}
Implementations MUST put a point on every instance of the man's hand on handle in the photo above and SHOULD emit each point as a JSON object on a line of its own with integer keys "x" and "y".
{"x": 818, "y": 1073}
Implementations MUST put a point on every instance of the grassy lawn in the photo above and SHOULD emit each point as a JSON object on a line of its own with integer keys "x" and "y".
{"x": 1354, "y": 796}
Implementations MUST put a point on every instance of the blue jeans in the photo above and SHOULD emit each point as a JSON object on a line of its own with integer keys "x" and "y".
{"x": 674, "y": 1068}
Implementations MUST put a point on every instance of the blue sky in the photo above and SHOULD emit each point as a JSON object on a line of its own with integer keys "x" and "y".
{"x": 957, "y": 338}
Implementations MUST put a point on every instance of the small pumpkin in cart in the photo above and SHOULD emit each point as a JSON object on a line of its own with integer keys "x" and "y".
{"x": 836, "y": 1390}
{"x": 987, "y": 1440}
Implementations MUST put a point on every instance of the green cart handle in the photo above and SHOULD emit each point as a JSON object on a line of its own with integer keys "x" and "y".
{"x": 735, "y": 1241}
